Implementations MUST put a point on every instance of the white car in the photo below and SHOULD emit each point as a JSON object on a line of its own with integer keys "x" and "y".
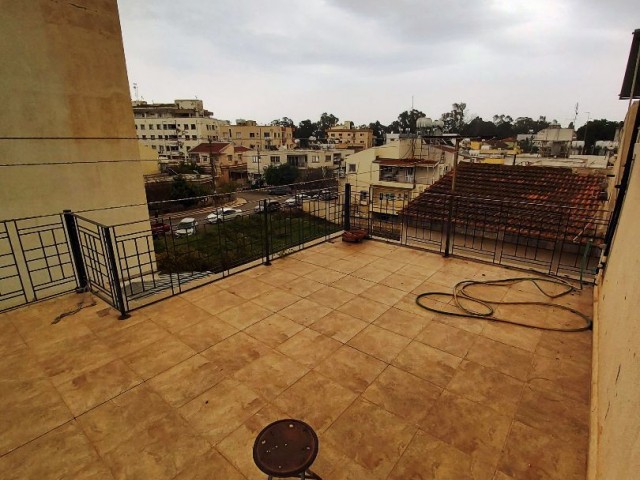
{"x": 293, "y": 202}
{"x": 223, "y": 214}
{"x": 186, "y": 227}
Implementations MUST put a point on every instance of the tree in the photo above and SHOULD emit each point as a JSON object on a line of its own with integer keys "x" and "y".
{"x": 327, "y": 120}
{"x": 181, "y": 189}
{"x": 479, "y": 128}
{"x": 595, "y": 130}
{"x": 306, "y": 129}
{"x": 281, "y": 175}
{"x": 454, "y": 121}
{"x": 406, "y": 122}
{"x": 283, "y": 122}
{"x": 378, "y": 132}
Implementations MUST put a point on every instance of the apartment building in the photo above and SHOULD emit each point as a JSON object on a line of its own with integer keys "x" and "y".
{"x": 348, "y": 136}
{"x": 173, "y": 129}
{"x": 330, "y": 158}
{"x": 247, "y": 133}
{"x": 225, "y": 158}
{"x": 554, "y": 141}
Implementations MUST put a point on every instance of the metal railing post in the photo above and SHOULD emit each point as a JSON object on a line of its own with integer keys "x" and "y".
{"x": 347, "y": 207}
{"x": 76, "y": 250}
{"x": 448, "y": 227}
{"x": 115, "y": 275}
{"x": 267, "y": 239}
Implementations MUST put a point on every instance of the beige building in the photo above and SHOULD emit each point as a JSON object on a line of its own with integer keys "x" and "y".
{"x": 554, "y": 141}
{"x": 397, "y": 171}
{"x": 64, "y": 77}
{"x": 172, "y": 129}
{"x": 332, "y": 159}
{"x": 227, "y": 160}
{"x": 247, "y": 133}
{"x": 347, "y": 136}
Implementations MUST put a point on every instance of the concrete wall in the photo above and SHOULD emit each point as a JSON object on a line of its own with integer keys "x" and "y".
{"x": 615, "y": 433}
{"x": 68, "y": 137}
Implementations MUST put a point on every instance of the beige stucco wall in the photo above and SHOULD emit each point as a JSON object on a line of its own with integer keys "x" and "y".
{"x": 615, "y": 433}
{"x": 68, "y": 138}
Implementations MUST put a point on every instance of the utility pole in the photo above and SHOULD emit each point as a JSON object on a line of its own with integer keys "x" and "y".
{"x": 213, "y": 164}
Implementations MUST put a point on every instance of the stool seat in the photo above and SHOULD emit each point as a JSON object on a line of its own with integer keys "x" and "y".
{"x": 286, "y": 448}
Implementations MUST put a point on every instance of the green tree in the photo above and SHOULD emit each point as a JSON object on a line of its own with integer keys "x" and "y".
{"x": 378, "y": 132}
{"x": 306, "y": 129}
{"x": 281, "y": 174}
{"x": 406, "y": 122}
{"x": 454, "y": 121}
{"x": 479, "y": 128}
{"x": 283, "y": 122}
{"x": 595, "y": 130}
{"x": 327, "y": 120}
{"x": 185, "y": 191}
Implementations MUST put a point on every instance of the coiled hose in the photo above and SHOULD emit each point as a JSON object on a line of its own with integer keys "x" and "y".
{"x": 486, "y": 311}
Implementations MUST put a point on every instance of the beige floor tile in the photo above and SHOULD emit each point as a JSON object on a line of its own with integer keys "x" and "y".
{"x": 294, "y": 266}
{"x": 427, "y": 458}
{"x": 363, "y": 309}
{"x": 353, "y": 284}
{"x": 371, "y": 436}
{"x": 244, "y": 315}
{"x": 338, "y": 325}
{"x": 175, "y": 313}
{"x": 303, "y": 286}
{"x": 387, "y": 264}
{"x": 271, "y": 374}
{"x": 531, "y": 454}
{"x": 486, "y": 386}
{"x": 250, "y": 288}
{"x": 158, "y": 357}
{"x": 476, "y": 431}
{"x": 186, "y": 380}
{"x": 401, "y": 322}
{"x": 331, "y": 297}
{"x": 203, "y": 335}
{"x": 96, "y": 386}
{"x": 201, "y": 292}
{"x": 419, "y": 271}
{"x": 21, "y": 364}
{"x": 123, "y": 417}
{"x": 556, "y": 415}
{"x": 29, "y": 409}
{"x": 384, "y": 294}
{"x": 276, "y": 277}
{"x": 209, "y": 466}
{"x": 380, "y": 343}
{"x": 305, "y": 311}
{"x": 471, "y": 325}
{"x": 220, "y": 301}
{"x": 160, "y": 451}
{"x": 566, "y": 346}
{"x": 309, "y": 347}
{"x": 565, "y": 377}
{"x": 235, "y": 352}
{"x": 344, "y": 265}
{"x": 502, "y": 476}
{"x": 10, "y": 339}
{"x": 62, "y": 453}
{"x": 221, "y": 409}
{"x": 274, "y": 330}
{"x": 428, "y": 363}
{"x": 238, "y": 446}
{"x": 403, "y": 394}
{"x": 351, "y": 368}
{"x": 372, "y": 273}
{"x": 447, "y": 338}
{"x": 408, "y": 304}
{"x": 521, "y": 337}
{"x": 403, "y": 282}
{"x": 124, "y": 342}
{"x": 503, "y": 358}
{"x": 276, "y": 301}
{"x": 324, "y": 275}
{"x": 316, "y": 400}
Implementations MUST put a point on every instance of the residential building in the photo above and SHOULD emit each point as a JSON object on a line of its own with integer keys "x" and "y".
{"x": 348, "y": 136}
{"x": 172, "y": 129}
{"x": 554, "y": 141}
{"x": 491, "y": 151}
{"x": 68, "y": 83}
{"x": 226, "y": 159}
{"x": 397, "y": 170}
{"x": 247, "y": 133}
{"x": 329, "y": 158}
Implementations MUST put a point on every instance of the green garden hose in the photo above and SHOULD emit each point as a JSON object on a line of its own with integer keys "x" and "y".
{"x": 486, "y": 311}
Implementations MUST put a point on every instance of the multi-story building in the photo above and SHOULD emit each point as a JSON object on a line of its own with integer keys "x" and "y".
{"x": 258, "y": 161}
{"x": 554, "y": 141}
{"x": 247, "y": 133}
{"x": 173, "y": 129}
{"x": 224, "y": 158}
{"x": 347, "y": 136}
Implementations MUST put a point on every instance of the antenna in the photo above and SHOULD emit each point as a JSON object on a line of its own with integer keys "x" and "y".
{"x": 575, "y": 117}
{"x": 135, "y": 90}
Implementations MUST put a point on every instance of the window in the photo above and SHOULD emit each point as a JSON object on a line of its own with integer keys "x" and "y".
{"x": 237, "y": 134}
{"x": 153, "y": 137}
{"x": 363, "y": 195}
{"x": 327, "y": 158}
{"x": 144, "y": 137}
{"x": 136, "y": 126}
{"x": 193, "y": 126}
{"x": 185, "y": 126}
{"x": 151, "y": 126}
{"x": 142, "y": 127}
{"x": 255, "y": 159}
{"x": 229, "y": 158}
{"x": 252, "y": 135}
{"x": 315, "y": 159}
{"x": 352, "y": 168}
{"x": 267, "y": 135}
{"x": 194, "y": 137}
{"x": 158, "y": 126}
{"x": 275, "y": 159}
{"x": 153, "y": 146}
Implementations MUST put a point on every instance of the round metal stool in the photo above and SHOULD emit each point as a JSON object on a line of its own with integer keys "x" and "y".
{"x": 286, "y": 449}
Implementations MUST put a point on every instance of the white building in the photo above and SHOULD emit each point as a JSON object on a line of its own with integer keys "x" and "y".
{"x": 172, "y": 129}
{"x": 330, "y": 158}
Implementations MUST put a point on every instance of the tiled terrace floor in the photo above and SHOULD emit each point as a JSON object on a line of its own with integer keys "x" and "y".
{"x": 330, "y": 335}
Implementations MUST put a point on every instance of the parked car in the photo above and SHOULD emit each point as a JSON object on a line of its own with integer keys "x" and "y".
{"x": 294, "y": 201}
{"x": 272, "y": 206}
{"x": 223, "y": 214}
{"x": 327, "y": 195}
{"x": 159, "y": 228}
{"x": 279, "y": 190}
{"x": 186, "y": 227}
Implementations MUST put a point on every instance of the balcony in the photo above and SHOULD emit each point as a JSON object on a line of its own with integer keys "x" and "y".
{"x": 330, "y": 335}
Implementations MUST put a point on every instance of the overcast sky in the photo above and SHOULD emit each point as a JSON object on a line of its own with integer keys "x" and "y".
{"x": 363, "y": 60}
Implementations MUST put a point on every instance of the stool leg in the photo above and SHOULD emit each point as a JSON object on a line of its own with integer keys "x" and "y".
{"x": 312, "y": 475}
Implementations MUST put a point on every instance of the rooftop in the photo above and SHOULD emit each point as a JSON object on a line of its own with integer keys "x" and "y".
{"x": 210, "y": 147}
{"x": 330, "y": 335}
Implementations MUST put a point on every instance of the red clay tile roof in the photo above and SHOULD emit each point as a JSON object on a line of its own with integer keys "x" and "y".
{"x": 240, "y": 149}
{"x": 213, "y": 147}
{"x": 543, "y": 202}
